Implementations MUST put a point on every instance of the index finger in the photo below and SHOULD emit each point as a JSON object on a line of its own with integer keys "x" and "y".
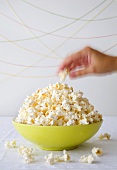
{"x": 67, "y": 62}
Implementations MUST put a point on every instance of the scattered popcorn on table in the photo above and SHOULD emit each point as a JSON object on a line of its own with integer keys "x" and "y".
{"x": 89, "y": 159}
{"x": 26, "y": 153}
{"x": 51, "y": 159}
{"x": 28, "y": 158}
{"x": 63, "y": 74}
{"x": 57, "y": 105}
{"x": 24, "y": 150}
{"x": 97, "y": 151}
{"x": 105, "y": 136}
{"x": 65, "y": 157}
{"x": 10, "y": 144}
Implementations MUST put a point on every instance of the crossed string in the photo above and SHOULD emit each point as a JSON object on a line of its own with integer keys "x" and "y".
{"x": 23, "y": 24}
{"x": 52, "y": 31}
{"x": 59, "y": 15}
{"x": 73, "y": 34}
{"x": 43, "y": 35}
{"x": 61, "y": 27}
{"x": 19, "y": 18}
{"x": 33, "y": 38}
{"x": 55, "y": 35}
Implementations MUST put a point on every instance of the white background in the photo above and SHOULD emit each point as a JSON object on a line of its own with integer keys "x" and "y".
{"x": 19, "y": 21}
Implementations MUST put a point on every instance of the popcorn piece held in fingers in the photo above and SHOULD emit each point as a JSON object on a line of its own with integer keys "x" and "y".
{"x": 63, "y": 74}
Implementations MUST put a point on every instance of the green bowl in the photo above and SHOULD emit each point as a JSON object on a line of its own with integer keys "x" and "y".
{"x": 57, "y": 137}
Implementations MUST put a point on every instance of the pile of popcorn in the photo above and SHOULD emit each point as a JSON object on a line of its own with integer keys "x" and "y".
{"x": 57, "y": 105}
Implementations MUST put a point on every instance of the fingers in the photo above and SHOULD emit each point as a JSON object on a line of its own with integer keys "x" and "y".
{"x": 71, "y": 62}
{"x": 80, "y": 73}
{"x": 66, "y": 63}
{"x": 80, "y": 58}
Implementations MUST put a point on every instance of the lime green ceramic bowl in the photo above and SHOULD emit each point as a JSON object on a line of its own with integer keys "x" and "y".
{"x": 57, "y": 137}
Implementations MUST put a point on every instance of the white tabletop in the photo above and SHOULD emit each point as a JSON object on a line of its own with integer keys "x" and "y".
{"x": 10, "y": 159}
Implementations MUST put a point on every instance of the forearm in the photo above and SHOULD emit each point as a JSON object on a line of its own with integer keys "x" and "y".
{"x": 114, "y": 63}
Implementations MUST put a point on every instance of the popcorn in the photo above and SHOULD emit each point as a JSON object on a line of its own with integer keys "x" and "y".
{"x": 51, "y": 159}
{"x": 106, "y": 135}
{"x": 57, "y": 105}
{"x": 24, "y": 150}
{"x": 65, "y": 157}
{"x": 10, "y": 144}
{"x": 97, "y": 151}
{"x": 89, "y": 159}
{"x": 83, "y": 121}
{"x": 26, "y": 153}
{"x": 63, "y": 74}
{"x": 28, "y": 159}
{"x": 70, "y": 122}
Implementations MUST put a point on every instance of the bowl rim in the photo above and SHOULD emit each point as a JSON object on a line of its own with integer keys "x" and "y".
{"x": 33, "y": 125}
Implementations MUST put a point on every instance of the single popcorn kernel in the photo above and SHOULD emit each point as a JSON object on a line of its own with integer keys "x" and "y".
{"x": 97, "y": 151}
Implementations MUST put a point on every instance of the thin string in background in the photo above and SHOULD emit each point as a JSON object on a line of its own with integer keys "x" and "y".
{"x": 14, "y": 75}
{"x": 31, "y": 66}
{"x": 110, "y": 48}
{"x": 19, "y": 18}
{"x": 42, "y": 58}
{"x": 55, "y": 35}
{"x": 51, "y": 32}
{"x": 74, "y": 21}
{"x": 59, "y": 15}
{"x": 21, "y": 65}
{"x": 23, "y": 48}
{"x": 54, "y": 75}
{"x": 83, "y": 26}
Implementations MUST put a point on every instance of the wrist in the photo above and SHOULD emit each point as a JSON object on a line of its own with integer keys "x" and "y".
{"x": 114, "y": 64}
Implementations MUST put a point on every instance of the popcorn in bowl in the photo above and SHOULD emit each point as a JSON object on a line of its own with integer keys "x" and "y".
{"x": 57, "y": 105}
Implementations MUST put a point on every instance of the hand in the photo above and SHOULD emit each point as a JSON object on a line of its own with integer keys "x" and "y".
{"x": 91, "y": 61}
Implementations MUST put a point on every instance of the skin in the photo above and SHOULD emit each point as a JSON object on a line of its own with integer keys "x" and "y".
{"x": 90, "y": 61}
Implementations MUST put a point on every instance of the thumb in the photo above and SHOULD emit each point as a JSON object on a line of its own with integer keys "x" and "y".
{"x": 80, "y": 73}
